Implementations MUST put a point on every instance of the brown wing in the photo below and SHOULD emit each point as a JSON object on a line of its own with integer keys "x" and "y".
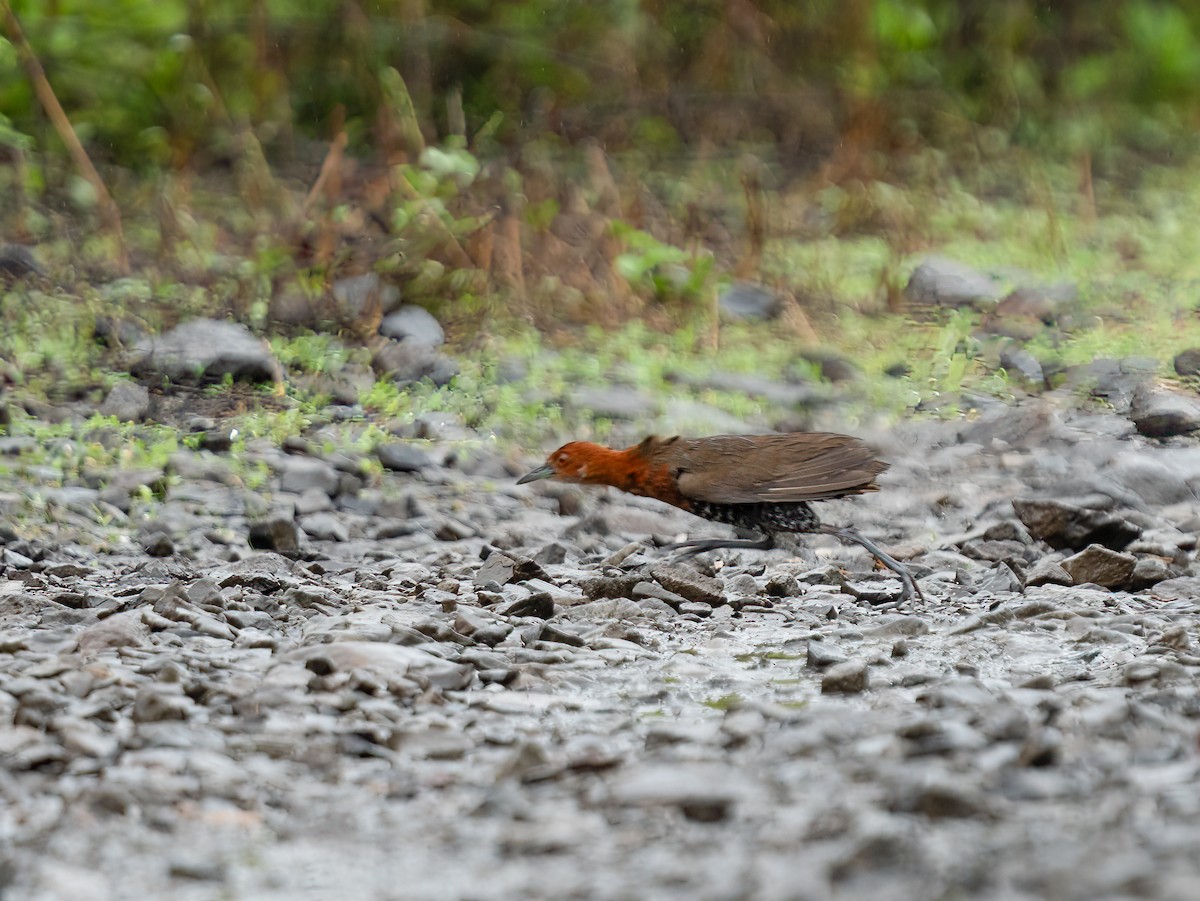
{"x": 745, "y": 469}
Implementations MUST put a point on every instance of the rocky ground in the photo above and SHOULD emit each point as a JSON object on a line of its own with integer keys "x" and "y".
{"x": 441, "y": 685}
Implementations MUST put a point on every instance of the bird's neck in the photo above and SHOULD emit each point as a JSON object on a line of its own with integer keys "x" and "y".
{"x": 630, "y": 470}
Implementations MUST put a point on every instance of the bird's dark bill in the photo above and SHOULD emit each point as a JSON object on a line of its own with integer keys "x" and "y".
{"x": 542, "y": 472}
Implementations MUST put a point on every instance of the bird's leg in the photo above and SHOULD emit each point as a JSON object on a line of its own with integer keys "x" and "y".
{"x": 715, "y": 544}
{"x": 908, "y": 584}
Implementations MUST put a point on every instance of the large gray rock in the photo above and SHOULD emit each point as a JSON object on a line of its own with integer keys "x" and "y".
{"x": 206, "y": 350}
{"x": 127, "y": 401}
{"x": 1161, "y": 414}
{"x": 415, "y": 323}
{"x": 948, "y": 283}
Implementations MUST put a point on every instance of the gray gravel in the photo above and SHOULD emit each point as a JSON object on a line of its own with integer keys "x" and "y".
{"x": 437, "y": 684}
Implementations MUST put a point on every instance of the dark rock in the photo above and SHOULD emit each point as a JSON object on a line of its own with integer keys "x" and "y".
{"x": 551, "y": 554}
{"x": 833, "y": 368}
{"x": 277, "y": 532}
{"x": 415, "y": 323}
{"x": 947, "y": 283}
{"x": 403, "y": 456}
{"x": 17, "y": 261}
{"x": 1101, "y": 566}
{"x": 206, "y": 350}
{"x": 1161, "y": 413}
{"x": 1063, "y": 525}
{"x": 219, "y": 441}
{"x": 1188, "y": 362}
{"x": 539, "y": 605}
{"x": 127, "y": 401}
{"x": 409, "y": 361}
{"x": 158, "y": 544}
{"x": 782, "y": 585}
{"x": 850, "y": 677}
{"x": 746, "y": 300}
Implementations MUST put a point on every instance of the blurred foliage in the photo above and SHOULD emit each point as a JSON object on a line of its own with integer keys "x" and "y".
{"x": 157, "y": 83}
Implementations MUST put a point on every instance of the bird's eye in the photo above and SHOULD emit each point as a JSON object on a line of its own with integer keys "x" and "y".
{"x": 563, "y": 459}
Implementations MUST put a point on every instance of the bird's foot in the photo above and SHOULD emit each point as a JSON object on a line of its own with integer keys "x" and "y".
{"x": 908, "y": 585}
{"x": 688, "y": 548}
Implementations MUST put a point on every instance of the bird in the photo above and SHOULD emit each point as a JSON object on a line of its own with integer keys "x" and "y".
{"x": 761, "y": 483}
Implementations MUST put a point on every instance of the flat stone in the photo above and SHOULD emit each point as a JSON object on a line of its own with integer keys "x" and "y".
{"x": 821, "y": 654}
{"x": 403, "y": 456}
{"x": 206, "y": 350}
{"x": 122, "y": 630}
{"x": 1101, "y": 566}
{"x": 1047, "y": 572}
{"x": 688, "y": 583}
{"x": 1182, "y": 587}
{"x": 850, "y": 677}
{"x": 948, "y": 283}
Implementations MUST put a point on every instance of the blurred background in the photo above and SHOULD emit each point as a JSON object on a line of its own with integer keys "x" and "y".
{"x": 940, "y": 202}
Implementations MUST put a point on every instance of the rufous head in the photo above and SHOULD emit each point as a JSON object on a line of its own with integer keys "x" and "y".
{"x": 567, "y": 464}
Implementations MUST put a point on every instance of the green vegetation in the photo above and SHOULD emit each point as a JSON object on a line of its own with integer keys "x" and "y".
{"x": 568, "y": 186}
